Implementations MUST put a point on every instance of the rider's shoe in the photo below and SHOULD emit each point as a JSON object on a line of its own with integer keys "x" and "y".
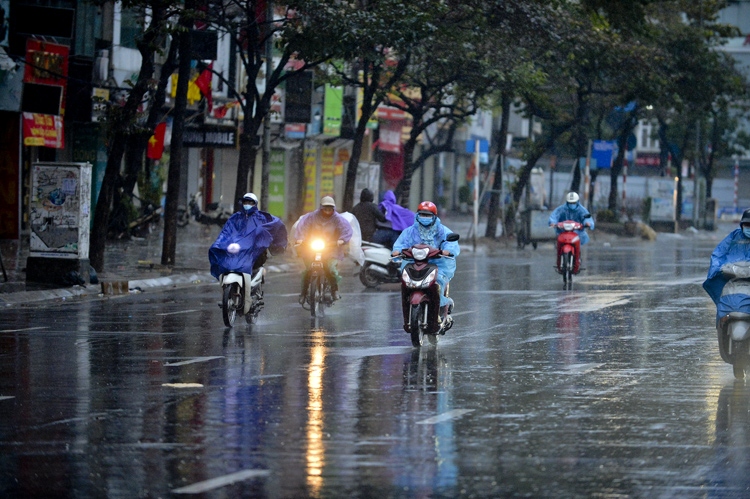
{"x": 335, "y": 295}
{"x": 302, "y": 298}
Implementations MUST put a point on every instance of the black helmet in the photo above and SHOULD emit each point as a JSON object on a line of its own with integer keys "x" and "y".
{"x": 745, "y": 217}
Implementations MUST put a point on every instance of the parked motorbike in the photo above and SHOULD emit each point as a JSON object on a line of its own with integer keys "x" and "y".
{"x": 568, "y": 251}
{"x": 420, "y": 299}
{"x": 318, "y": 295}
{"x": 733, "y": 329}
{"x": 242, "y": 294}
{"x": 214, "y": 214}
{"x": 378, "y": 267}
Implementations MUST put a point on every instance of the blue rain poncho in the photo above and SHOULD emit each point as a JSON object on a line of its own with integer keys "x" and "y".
{"x": 577, "y": 214}
{"x": 734, "y": 248}
{"x": 254, "y": 232}
{"x": 433, "y": 236}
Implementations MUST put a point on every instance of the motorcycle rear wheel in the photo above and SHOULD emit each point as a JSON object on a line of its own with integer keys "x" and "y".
{"x": 367, "y": 277}
{"x": 415, "y": 330}
{"x": 229, "y": 303}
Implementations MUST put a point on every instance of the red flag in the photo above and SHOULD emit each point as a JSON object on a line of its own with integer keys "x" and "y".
{"x": 156, "y": 142}
{"x": 203, "y": 82}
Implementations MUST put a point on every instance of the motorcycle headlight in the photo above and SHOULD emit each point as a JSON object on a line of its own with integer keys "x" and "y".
{"x": 317, "y": 245}
{"x": 420, "y": 284}
{"x": 568, "y": 226}
{"x": 420, "y": 253}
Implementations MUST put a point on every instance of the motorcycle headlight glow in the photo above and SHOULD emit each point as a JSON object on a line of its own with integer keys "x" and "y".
{"x": 420, "y": 284}
{"x": 420, "y": 253}
{"x": 317, "y": 245}
{"x": 568, "y": 226}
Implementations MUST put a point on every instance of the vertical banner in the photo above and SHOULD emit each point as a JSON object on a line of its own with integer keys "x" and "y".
{"x": 334, "y": 105}
{"x": 311, "y": 166}
{"x": 277, "y": 183}
{"x": 43, "y": 130}
{"x": 326, "y": 171}
{"x": 46, "y": 73}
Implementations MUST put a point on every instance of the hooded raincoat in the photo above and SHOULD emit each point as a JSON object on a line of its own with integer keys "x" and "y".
{"x": 400, "y": 217}
{"x": 433, "y": 236}
{"x": 255, "y": 232}
{"x": 331, "y": 229}
{"x": 577, "y": 213}
{"x": 734, "y": 248}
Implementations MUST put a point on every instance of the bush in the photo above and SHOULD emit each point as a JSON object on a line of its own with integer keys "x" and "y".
{"x": 464, "y": 194}
{"x": 606, "y": 216}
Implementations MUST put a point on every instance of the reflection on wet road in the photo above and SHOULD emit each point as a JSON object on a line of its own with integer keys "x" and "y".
{"x": 613, "y": 388}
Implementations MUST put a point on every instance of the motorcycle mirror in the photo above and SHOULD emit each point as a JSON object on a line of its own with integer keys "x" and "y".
{"x": 452, "y": 237}
{"x": 587, "y": 215}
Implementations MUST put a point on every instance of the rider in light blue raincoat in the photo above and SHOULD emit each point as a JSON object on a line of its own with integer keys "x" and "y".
{"x": 734, "y": 248}
{"x": 573, "y": 210}
{"x": 427, "y": 229}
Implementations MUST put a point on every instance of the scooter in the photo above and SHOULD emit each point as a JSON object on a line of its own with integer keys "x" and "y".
{"x": 378, "y": 267}
{"x": 568, "y": 251}
{"x": 420, "y": 299}
{"x": 733, "y": 329}
{"x": 213, "y": 215}
{"x": 242, "y": 294}
{"x": 318, "y": 295}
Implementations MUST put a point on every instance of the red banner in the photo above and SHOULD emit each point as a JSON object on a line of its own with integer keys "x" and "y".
{"x": 390, "y": 136}
{"x": 155, "y": 148}
{"x": 47, "y": 64}
{"x": 43, "y": 130}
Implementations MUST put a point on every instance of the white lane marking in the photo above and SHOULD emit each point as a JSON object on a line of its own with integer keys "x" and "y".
{"x": 463, "y": 313}
{"x": 446, "y": 416}
{"x": 6, "y": 397}
{"x": 180, "y": 312}
{"x": 192, "y": 361}
{"x": 182, "y": 385}
{"x": 24, "y": 329}
{"x": 215, "y": 483}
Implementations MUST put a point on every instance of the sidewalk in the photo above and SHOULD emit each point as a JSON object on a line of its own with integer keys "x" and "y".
{"x": 132, "y": 265}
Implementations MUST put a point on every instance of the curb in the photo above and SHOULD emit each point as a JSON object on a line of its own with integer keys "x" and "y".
{"x": 133, "y": 286}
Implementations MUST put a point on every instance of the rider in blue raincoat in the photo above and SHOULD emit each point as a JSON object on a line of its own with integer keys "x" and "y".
{"x": 573, "y": 210}
{"x": 427, "y": 229}
{"x": 734, "y": 248}
{"x": 254, "y": 232}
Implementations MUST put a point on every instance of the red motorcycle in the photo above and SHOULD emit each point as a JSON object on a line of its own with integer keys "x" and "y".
{"x": 568, "y": 251}
{"x": 420, "y": 299}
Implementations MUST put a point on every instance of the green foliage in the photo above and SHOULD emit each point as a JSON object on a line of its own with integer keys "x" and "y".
{"x": 464, "y": 194}
{"x": 607, "y": 216}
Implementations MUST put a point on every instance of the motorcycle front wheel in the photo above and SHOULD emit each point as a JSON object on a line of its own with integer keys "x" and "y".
{"x": 567, "y": 270}
{"x": 415, "y": 330}
{"x": 741, "y": 359}
{"x": 314, "y": 296}
{"x": 229, "y": 303}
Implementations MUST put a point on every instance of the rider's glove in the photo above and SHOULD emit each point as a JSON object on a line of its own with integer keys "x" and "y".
{"x": 340, "y": 242}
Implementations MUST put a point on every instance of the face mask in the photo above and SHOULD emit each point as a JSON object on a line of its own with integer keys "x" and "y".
{"x": 248, "y": 207}
{"x": 571, "y": 205}
{"x": 746, "y": 231}
{"x": 425, "y": 221}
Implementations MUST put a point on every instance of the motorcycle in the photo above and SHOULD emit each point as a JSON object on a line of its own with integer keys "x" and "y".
{"x": 568, "y": 250}
{"x": 733, "y": 329}
{"x": 378, "y": 267}
{"x": 420, "y": 300}
{"x": 213, "y": 215}
{"x": 318, "y": 295}
{"x": 242, "y": 294}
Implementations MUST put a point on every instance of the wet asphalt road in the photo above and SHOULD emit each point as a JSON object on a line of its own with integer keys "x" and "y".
{"x": 612, "y": 389}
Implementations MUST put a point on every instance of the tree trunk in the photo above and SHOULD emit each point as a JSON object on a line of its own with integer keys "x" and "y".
{"x": 495, "y": 202}
{"x": 169, "y": 244}
{"x": 118, "y": 132}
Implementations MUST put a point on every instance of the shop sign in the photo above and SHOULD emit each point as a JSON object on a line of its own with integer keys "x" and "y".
{"x": 216, "y": 137}
{"x": 43, "y": 130}
{"x": 47, "y": 64}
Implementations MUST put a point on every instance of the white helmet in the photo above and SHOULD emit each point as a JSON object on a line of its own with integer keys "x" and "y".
{"x": 571, "y": 197}
{"x": 250, "y": 197}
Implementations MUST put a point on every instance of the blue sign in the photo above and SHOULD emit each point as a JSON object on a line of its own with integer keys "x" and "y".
{"x": 603, "y": 152}
{"x": 484, "y": 146}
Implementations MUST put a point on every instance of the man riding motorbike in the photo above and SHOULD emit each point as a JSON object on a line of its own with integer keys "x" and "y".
{"x": 427, "y": 229}
{"x": 254, "y": 231}
{"x": 573, "y": 210}
{"x": 331, "y": 226}
{"x": 735, "y": 247}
